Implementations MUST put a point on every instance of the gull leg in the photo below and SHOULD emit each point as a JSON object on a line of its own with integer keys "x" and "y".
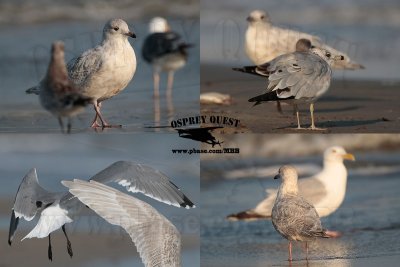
{"x": 298, "y": 116}
{"x": 69, "y": 125}
{"x": 307, "y": 251}
{"x": 49, "y": 250}
{"x": 312, "y": 119}
{"x": 156, "y": 80}
{"x": 279, "y": 107}
{"x": 290, "y": 250}
{"x": 60, "y": 121}
{"x": 104, "y": 123}
{"x": 94, "y": 123}
{"x": 69, "y": 247}
{"x": 170, "y": 83}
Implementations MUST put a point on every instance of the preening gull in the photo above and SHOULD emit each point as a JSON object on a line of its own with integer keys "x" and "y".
{"x": 265, "y": 42}
{"x": 325, "y": 191}
{"x": 165, "y": 51}
{"x": 298, "y": 77}
{"x": 294, "y": 217}
{"x": 57, "y": 94}
{"x": 156, "y": 238}
{"x": 105, "y": 70}
{"x": 58, "y": 209}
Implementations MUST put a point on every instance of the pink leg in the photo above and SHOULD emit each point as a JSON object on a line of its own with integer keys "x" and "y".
{"x": 290, "y": 250}
{"x": 94, "y": 123}
{"x": 156, "y": 78}
{"x": 170, "y": 83}
{"x": 306, "y": 250}
{"x": 104, "y": 123}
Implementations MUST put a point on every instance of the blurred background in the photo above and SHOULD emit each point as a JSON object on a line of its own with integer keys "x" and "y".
{"x": 369, "y": 217}
{"x": 28, "y": 28}
{"x": 94, "y": 241}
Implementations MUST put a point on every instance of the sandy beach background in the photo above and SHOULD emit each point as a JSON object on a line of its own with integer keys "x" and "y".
{"x": 358, "y": 101}
{"x": 368, "y": 218}
{"x": 94, "y": 241}
{"x": 27, "y": 31}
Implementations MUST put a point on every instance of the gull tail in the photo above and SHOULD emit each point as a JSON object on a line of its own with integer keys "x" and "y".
{"x": 267, "y": 97}
{"x": 248, "y": 215}
{"x": 248, "y": 69}
{"x": 33, "y": 90}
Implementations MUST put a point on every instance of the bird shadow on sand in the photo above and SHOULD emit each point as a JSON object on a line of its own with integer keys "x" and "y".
{"x": 352, "y": 123}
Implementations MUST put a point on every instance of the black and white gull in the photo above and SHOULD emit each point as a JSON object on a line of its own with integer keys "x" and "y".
{"x": 165, "y": 51}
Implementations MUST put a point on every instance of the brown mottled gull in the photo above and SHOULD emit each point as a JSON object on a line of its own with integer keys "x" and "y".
{"x": 293, "y": 217}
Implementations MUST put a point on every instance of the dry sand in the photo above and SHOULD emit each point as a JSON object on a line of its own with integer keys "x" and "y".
{"x": 348, "y": 107}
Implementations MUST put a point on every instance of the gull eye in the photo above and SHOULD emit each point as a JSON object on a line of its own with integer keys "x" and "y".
{"x": 116, "y": 28}
{"x": 334, "y": 151}
{"x": 262, "y": 17}
{"x": 328, "y": 54}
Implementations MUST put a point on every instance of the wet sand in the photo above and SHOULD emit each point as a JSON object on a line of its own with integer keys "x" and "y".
{"x": 348, "y": 106}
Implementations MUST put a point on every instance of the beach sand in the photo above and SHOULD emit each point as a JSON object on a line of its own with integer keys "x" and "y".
{"x": 348, "y": 106}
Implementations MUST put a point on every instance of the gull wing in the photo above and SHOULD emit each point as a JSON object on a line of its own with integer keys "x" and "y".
{"x": 141, "y": 178}
{"x": 30, "y": 199}
{"x": 159, "y": 44}
{"x": 156, "y": 238}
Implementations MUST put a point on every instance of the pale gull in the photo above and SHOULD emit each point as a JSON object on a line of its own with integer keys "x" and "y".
{"x": 165, "y": 51}
{"x": 156, "y": 238}
{"x": 215, "y": 98}
{"x": 298, "y": 77}
{"x": 105, "y": 70}
{"x": 264, "y": 42}
{"x": 293, "y": 217}
{"x": 57, "y": 93}
{"x": 325, "y": 191}
{"x": 57, "y": 209}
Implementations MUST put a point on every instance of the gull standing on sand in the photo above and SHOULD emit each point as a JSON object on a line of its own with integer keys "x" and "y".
{"x": 298, "y": 77}
{"x": 58, "y": 209}
{"x": 325, "y": 190}
{"x": 156, "y": 238}
{"x": 105, "y": 70}
{"x": 57, "y": 94}
{"x": 264, "y": 42}
{"x": 165, "y": 51}
{"x": 292, "y": 216}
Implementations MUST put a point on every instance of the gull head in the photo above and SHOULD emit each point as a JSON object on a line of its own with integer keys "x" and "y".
{"x": 303, "y": 45}
{"x": 258, "y": 17}
{"x": 337, "y": 154}
{"x": 57, "y": 50}
{"x": 289, "y": 176}
{"x": 117, "y": 28}
{"x": 158, "y": 24}
{"x": 326, "y": 55}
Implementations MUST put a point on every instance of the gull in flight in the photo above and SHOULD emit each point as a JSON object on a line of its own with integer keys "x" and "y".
{"x": 325, "y": 191}
{"x": 57, "y": 209}
{"x": 156, "y": 238}
{"x": 298, "y": 77}
{"x": 264, "y": 42}
{"x": 105, "y": 70}
{"x": 57, "y": 93}
{"x": 293, "y": 217}
{"x": 165, "y": 51}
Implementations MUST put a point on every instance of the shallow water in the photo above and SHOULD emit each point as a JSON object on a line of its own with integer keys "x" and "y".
{"x": 369, "y": 217}
{"x": 24, "y": 55}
